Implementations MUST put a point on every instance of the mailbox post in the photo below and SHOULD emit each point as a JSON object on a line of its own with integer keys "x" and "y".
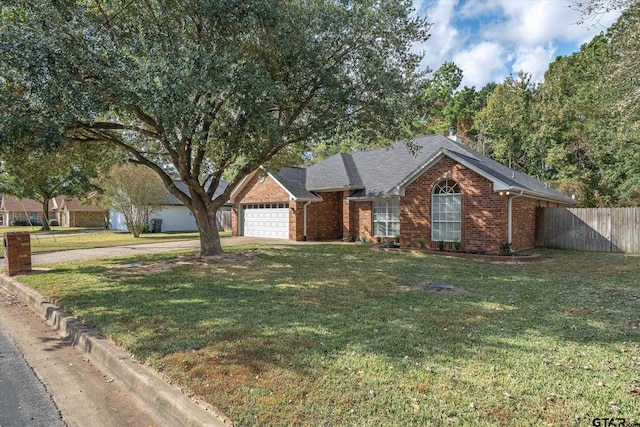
{"x": 17, "y": 253}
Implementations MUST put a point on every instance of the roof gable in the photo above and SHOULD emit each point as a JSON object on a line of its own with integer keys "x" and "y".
{"x": 77, "y": 205}
{"x": 386, "y": 172}
{"x": 292, "y": 180}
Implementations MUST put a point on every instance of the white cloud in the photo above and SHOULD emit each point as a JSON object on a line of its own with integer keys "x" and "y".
{"x": 482, "y": 63}
{"x": 490, "y": 39}
{"x": 444, "y": 36}
{"x": 533, "y": 60}
{"x": 536, "y": 22}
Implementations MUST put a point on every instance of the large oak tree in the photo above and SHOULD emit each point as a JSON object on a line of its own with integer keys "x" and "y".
{"x": 206, "y": 87}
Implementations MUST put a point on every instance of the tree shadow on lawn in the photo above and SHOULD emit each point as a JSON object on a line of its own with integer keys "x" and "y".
{"x": 372, "y": 305}
{"x": 295, "y": 309}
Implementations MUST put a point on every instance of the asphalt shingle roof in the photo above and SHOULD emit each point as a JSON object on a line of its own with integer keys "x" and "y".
{"x": 170, "y": 199}
{"x": 379, "y": 173}
{"x": 295, "y": 181}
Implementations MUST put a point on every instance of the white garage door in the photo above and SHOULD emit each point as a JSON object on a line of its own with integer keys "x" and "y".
{"x": 266, "y": 220}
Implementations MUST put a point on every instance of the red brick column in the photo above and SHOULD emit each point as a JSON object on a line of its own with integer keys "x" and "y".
{"x": 347, "y": 216}
{"x": 17, "y": 253}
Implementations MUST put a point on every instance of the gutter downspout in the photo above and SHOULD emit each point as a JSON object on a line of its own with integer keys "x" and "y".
{"x": 510, "y": 216}
{"x": 304, "y": 238}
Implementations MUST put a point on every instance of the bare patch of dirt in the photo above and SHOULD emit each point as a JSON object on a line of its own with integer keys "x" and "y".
{"x": 157, "y": 267}
{"x": 436, "y": 288}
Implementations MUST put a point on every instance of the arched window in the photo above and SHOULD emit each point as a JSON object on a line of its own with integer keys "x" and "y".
{"x": 446, "y": 208}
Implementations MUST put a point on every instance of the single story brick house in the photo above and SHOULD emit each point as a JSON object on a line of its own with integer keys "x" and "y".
{"x": 67, "y": 211}
{"x": 22, "y": 210}
{"x": 71, "y": 212}
{"x": 442, "y": 192}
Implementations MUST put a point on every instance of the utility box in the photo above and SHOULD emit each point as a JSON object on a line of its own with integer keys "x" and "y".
{"x": 17, "y": 253}
{"x": 156, "y": 225}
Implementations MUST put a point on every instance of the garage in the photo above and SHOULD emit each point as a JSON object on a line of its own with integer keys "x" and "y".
{"x": 266, "y": 220}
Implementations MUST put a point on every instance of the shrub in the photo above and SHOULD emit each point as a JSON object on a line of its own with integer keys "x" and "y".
{"x": 441, "y": 245}
{"x": 54, "y": 223}
{"x": 422, "y": 242}
{"x": 19, "y": 222}
{"x": 456, "y": 245}
{"x": 506, "y": 249}
{"x": 362, "y": 239}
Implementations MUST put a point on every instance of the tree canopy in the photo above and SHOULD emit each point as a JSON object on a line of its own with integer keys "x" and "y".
{"x": 207, "y": 88}
{"x": 135, "y": 191}
{"x": 41, "y": 173}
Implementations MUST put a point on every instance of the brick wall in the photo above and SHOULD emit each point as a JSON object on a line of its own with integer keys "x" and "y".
{"x": 324, "y": 219}
{"x": 363, "y": 219}
{"x": 260, "y": 190}
{"x": 21, "y": 216}
{"x": 523, "y": 223}
{"x": 296, "y": 221}
{"x": 17, "y": 256}
{"x": 86, "y": 219}
{"x": 348, "y": 217}
{"x": 484, "y": 213}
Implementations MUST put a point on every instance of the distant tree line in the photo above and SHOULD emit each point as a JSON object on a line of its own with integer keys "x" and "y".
{"x": 578, "y": 130}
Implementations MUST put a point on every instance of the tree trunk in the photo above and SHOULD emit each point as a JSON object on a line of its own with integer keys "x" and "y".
{"x": 207, "y": 226}
{"x": 45, "y": 215}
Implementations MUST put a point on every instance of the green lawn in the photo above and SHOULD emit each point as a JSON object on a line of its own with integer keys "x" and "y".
{"x": 67, "y": 239}
{"x": 35, "y": 230}
{"x": 347, "y": 335}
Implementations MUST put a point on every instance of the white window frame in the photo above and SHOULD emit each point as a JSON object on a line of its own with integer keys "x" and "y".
{"x": 446, "y": 211}
{"x": 385, "y": 216}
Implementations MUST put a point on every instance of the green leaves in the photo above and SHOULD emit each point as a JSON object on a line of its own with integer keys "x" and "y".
{"x": 209, "y": 88}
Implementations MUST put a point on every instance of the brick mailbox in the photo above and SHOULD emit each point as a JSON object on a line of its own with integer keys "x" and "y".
{"x": 17, "y": 253}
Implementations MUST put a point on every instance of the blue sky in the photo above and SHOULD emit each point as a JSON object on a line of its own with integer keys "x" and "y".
{"x": 491, "y": 39}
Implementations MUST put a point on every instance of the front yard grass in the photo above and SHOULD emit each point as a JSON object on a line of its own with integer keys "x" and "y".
{"x": 347, "y": 335}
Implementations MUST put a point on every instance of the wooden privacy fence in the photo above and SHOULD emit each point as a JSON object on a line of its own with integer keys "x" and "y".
{"x": 589, "y": 229}
{"x": 224, "y": 220}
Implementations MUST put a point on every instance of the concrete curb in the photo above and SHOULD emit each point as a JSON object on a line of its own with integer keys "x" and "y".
{"x": 167, "y": 402}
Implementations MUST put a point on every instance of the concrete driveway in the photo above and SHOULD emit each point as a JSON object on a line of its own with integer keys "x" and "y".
{"x": 151, "y": 248}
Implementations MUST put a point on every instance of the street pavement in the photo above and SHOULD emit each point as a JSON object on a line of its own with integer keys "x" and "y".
{"x": 84, "y": 396}
{"x": 24, "y": 401}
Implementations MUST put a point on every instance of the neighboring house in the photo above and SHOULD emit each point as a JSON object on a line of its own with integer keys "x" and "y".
{"x": 71, "y": 212}
{"x": 23, "y": 210}
{"x": 68, "y": 212}
{"x": 445, "y": 192}
{"x": 175, "y": 216}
